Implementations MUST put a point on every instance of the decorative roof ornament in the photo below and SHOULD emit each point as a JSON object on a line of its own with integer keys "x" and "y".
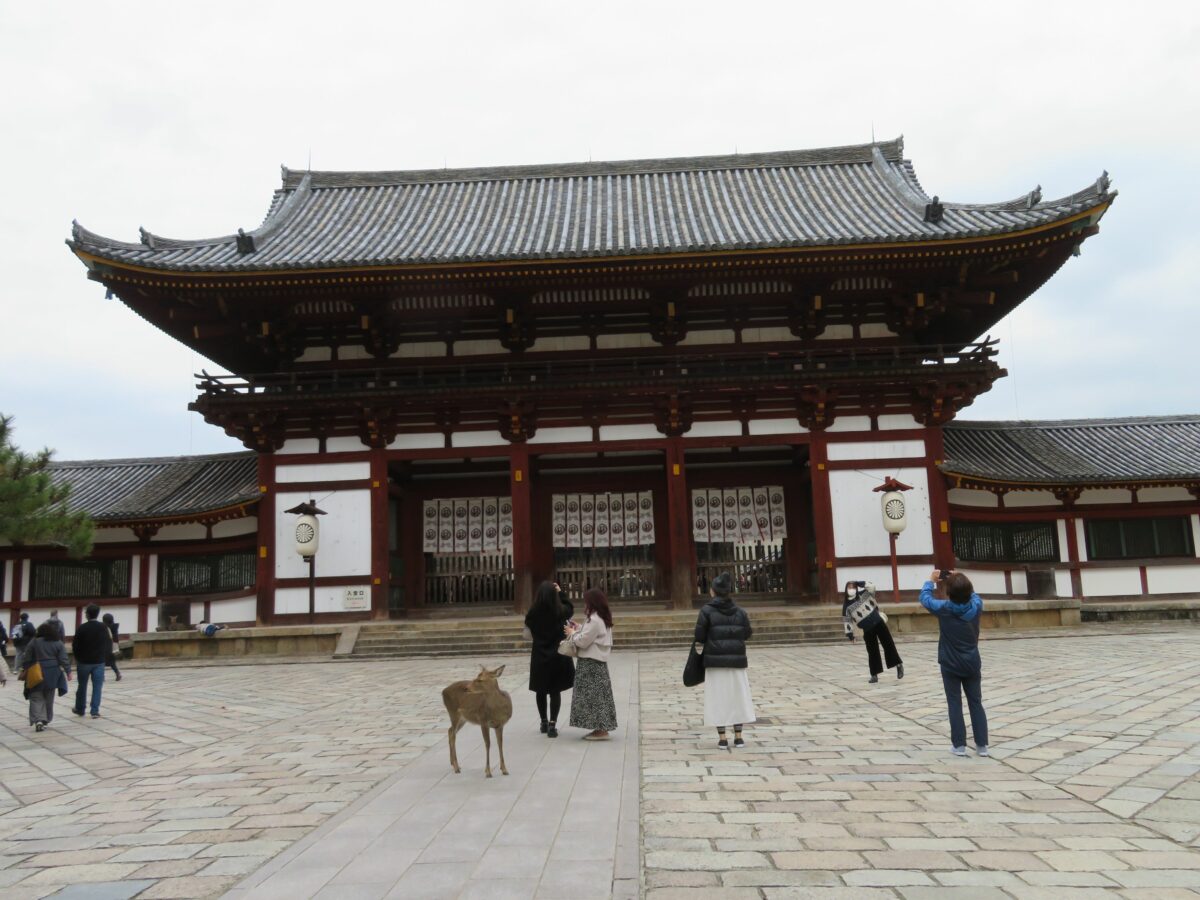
{"x": 245, "y": 242}
{"x": 1103, "y": 183}
{"x": 934, "y": 211}
{"x": 1034, "y": 198}
{"x": 147, "y": 238}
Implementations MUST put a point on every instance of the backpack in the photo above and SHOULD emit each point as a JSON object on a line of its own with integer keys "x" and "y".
{"x": 21, "y": 633}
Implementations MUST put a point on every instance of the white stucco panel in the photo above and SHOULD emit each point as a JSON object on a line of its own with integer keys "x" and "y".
{"x": 910, "y": 577}
{"x": 968, "y": 497}
{"x": 628, "y": 432}
{"x": 234, "y": 527}
{"x": 243, "y": 609}
{"x": 6, "y": 576}
{"x": 1020, "y": 584}
{"x": 1105, "y": 495}
{"x": 26, "y": 566}
{"x": 115, "y": 536}
{"x": 776, "y": 426}
{"x": 1062, "y": 583}
{"x": 477, "y": 439}
{"x": 715, "y": 429}
{"x": 300, "y": 445}
{"x": 1164, "y": 495}
{"x": 986, "y": 582}
{"x": 573, "y": 343}
{"x": 561, "y": 435}
{"x": 1064, "y": 555}
{"x": 878, "y": 450}
{"x": 624, "y": 341}
{"x": 1112, "y": 582}
{"x": 135, "y": 572}
{"x": 426, "y": 440}
{"x": 858, "y": 522}
{"x": 765, "y": 335}
{"x": 344, "y": 444}
{"x": 190, "y": 532}
{"x": 345, "y": 540}
{"x": 291, "y": 601}
{"x": 1173, "y": 579}
{"x": 896, "y": 421}
{"x": 152, "y": 577}
{"x": 348, "y": 471}
{"x": 479, "y": 348}
{"x": 124, "y": 616}
{"x": 851, "y": 423}
{"x": 1014, "y": 499}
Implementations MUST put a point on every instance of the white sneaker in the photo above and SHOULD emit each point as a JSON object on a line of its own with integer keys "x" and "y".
{"x": 959, "y": 751}
{"x": 982, "y": 751}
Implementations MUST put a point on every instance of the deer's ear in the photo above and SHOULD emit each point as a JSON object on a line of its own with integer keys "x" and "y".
{"x": 498, "y": 671}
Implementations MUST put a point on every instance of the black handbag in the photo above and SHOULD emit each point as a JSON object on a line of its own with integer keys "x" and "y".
{"x": 693, "y": 669}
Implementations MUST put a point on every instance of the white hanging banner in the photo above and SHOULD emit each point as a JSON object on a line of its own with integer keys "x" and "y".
{"x": 558, "y": 519}
{"x": 573, "y": 520}
{"x": 587, "y": 520}
{"x": 602, "y": 528}
{"x": 506, "y": 524}
{"x": 461, "y": 510}
{"x": 429, "y": 527}
{"x": 778, "y": 517}
{"x": 475, "y": 524}
{"x": 747, "y": 533}
{"x": 445, "y": 526}
{"x": 491, "y": 526}
{"x": 739, "y": 515}
{"x": 632, "y": 522}
{"x": 616, "y": 520}
{"x": 645, "y": 519}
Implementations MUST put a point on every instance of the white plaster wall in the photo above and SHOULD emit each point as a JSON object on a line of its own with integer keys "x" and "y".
{"x": 985, "y": 582}
{"x": 300, "y": 445}
{"x": 1110, "y": 582}
{"x": 968, "y": 497}
{"x": 910, "y": 577}
{"x": 1104, "y": 495}
{"x": 767, "y": 335}
{"x": 326, "y": 600}
{"x": 561, "y": 435}
{"x": 479, "y": 348}
{"x": 418, "y": 349}
{"x": 125, "y": 616}
{"x": 1015, "y": 499}
{"x": 1080, "y": 540}
{"x": 858, "y": 522}
{"x": 477, "y": 439}
{"x": 714, "y": 336}
{"x": 1173, "y": 579}
{"x": 316, "y": 354}
{"x": 1062, "y": 582}
{"x": 1020, "y": 584}
{"x": 151, "y": 618}
{"x": 878, "y": 450}
{"x": 423, "y": 441}
{"x": 345, "y": 541}
{"x": 1163, "y": 494}
{"x": 353, "y": 351}
{"x": 114, "y": 535}
{"x": 6, "y": 574}
{"x": 135, "y": 571}
{"x": 152, "y": 583}
{"x": 1064, "y": 554}
{"x": 344, "y": 445}
{"x": 896, "y": 421}
{"x": 568, "y": 343}
{"x": 776, "y": 426}
{"x": 715, "y": 429}
{"x": 243, "y": 609}
{"x": 349, "y": 471}
{"x": 624, "y": 341}
{"x": 1196, "y": 533}
{"x": 875, "y": 330}
{"x": 852, "y": 423}
{"x": 25, "y": 572}
{"x": 192, "y": 531}
{"x": 628, "y": 432}
{"x": 234, "y": 527}
{"x": 836, "y": 332}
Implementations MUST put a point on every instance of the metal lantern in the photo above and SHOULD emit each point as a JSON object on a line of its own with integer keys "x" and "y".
{"x": 894, "y": 516}
{"x": 307, "y": 531}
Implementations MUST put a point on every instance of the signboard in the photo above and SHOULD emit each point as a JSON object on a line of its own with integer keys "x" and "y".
{"x": 356, "y": 598}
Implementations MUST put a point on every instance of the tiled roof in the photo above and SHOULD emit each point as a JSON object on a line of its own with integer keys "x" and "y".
{"x": 1081, "y": 451}
{"x": 835, "y": 196}
{"x": 111, "y": 490}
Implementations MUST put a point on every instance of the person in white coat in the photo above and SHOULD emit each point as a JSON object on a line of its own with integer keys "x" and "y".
{"x": 592, "y": 704}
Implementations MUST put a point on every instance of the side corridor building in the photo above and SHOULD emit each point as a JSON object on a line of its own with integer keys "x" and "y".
{"x": 624, "y": 374}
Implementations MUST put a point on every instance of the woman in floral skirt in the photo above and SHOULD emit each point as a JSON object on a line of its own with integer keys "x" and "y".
{"x": 592, "y": 704}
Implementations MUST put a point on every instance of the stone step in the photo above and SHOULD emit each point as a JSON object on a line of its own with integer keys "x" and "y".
{"x": 623, "y": 624}
{"x": 622, "y": 637}
{"x": 473, "y": 650}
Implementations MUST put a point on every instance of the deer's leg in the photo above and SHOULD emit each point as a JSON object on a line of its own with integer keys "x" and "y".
{"x": 500, "y": 745}
{"x": 487, "y": 747}
{"x": 455, "y": 724}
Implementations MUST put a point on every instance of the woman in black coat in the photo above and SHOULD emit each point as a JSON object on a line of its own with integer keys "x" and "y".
{"x": 722, "y": 630}
{"x": 550, "y": 673}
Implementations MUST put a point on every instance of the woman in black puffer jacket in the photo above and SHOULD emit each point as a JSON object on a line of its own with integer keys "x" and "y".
{"x": 721, "y": 634}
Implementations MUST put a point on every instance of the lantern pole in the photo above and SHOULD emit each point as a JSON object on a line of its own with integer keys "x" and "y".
{"x": 894, "y": 521}
{"x": 306, "y": 546}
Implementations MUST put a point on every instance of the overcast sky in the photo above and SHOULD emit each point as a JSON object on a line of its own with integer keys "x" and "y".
{"x": 177, "y": 117}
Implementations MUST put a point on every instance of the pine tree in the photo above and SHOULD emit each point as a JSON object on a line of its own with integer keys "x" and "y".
{"x": 33, "y": 510}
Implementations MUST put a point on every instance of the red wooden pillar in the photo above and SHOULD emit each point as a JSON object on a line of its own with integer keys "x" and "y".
{"x": 823, "y": 518}
{"x": 795, "y": 507}
{"x": 265, "y": 572}
{"x": 379, "y": 533}
{"x": 143, "y": 621}
{"x": 681, "y": 577}
{"x": 1073, "y": 559}
{"x": 939, "y": 500}
{"x": 411, "y": 543}
{"x": 522, "y": 513}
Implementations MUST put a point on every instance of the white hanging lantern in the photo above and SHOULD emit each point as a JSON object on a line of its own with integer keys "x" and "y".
{"x": 307, "y": 529}
{"x": 895, "y": 516}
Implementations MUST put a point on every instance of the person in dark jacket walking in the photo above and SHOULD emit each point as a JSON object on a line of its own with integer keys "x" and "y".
{"x": 48, "y": 652}
{"x": 958, "y": 655}
{"x": 112, "y": 625}
{"x": 91, "y": 645}
{"x": 859, "y": 608}
{"x": 550, "y": 673}
{"x": 722, "y": 630}
{"x": 22, "y": 633}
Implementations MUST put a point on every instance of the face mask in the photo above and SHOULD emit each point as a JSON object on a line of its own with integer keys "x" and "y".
{"x": 851, "y": 593}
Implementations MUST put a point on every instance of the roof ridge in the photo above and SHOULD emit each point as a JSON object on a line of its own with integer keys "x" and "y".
{"x": 147, "y": 460}
{"x": 820, "y": 156}
{"x": 1009, "y": 424}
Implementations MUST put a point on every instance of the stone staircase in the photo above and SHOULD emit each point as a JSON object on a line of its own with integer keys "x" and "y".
{"x": 654, "y": 630}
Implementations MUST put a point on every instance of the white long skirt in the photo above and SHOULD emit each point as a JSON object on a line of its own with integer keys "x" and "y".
{"x": 727, "y": 698}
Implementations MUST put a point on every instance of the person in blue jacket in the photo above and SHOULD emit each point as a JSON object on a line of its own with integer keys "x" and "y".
{"x": 958, "y": 655}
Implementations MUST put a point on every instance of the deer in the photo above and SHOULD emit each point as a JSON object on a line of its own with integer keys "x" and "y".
{"x": 480, "y": 701}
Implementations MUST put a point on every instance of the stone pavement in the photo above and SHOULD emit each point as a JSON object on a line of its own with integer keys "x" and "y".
{"x": 332, "y": 780}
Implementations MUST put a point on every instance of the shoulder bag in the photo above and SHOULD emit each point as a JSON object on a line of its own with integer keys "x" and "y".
{"x": 31, "y": 675}
{"x": 567, "y": 647}
{"x": 693, "y": 669}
